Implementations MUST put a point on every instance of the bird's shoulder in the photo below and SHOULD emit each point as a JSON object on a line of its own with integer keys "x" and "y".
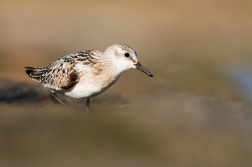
{"x": 85, "y": 57}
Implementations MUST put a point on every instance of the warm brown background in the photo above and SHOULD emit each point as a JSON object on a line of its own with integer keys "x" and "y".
{"x": 189, "y": 114}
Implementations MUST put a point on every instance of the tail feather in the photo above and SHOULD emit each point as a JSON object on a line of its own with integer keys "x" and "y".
{"x": 36, "y": 73}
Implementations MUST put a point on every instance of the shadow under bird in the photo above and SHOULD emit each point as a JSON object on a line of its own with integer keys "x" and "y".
{"x": 87, "y": 73}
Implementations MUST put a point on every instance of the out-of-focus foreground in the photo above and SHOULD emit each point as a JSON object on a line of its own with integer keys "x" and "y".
{"x": 193, "y": 112}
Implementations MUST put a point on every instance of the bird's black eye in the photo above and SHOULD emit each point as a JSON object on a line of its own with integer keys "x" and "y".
{"x": 126, "y": 54}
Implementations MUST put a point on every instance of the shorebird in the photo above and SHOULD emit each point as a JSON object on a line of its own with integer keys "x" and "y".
{"x": 87, "y": 73}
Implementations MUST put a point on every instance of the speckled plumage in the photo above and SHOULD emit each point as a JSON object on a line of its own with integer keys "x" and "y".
{"x": 86, "y": 73}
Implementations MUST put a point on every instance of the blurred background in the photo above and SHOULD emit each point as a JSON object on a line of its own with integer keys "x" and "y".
{"x": 195, "y": 111}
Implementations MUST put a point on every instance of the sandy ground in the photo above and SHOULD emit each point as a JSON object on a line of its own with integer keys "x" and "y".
{"x": 189, "y": 114}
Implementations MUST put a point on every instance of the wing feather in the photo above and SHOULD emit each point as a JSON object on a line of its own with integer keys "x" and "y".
{"x": 61, "y": 74}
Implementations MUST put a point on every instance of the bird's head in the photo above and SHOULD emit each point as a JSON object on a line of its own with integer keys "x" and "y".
{"x": 126, "y": 58}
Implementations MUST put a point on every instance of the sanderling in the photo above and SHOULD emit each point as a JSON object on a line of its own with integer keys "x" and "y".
{"x": 87, "y": 73}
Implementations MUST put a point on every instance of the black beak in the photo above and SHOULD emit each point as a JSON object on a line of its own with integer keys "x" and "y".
{"x": 143, "y": 69}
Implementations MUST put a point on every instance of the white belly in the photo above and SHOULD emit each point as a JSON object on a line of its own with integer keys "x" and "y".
{"x": 84, "y": 90}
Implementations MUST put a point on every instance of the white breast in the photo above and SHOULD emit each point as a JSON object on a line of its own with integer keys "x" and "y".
{"x": 87, "y": 89}
{"x": 83, "y": 90}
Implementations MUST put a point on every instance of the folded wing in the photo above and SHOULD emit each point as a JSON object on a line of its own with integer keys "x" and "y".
{"x": 59, "y": 75}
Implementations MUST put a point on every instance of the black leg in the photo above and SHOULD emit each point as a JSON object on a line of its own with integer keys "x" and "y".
{"x": 56, "y": 97}
{"x": 88, "y": 104}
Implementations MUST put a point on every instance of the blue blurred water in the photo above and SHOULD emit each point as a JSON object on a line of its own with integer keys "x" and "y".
{"x": 242, "y": 77}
